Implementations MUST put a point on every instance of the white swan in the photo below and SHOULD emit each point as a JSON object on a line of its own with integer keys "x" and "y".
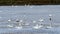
{"x": 41, "y": 20}
{"x": 37, "y": 26}
{"x": 9, "y": 25}
{"x": 48, "y": 27}
{"x": 9, "y": 20}
{"x": 17, "y": 27}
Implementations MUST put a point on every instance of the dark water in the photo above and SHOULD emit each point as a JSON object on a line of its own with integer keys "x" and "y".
{"x": 29, "y": 13}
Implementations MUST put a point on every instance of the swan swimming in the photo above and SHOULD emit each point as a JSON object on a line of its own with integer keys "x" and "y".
{"x": 37, "y": 27}
{"x": 48, "y": 27}
{"x": 9, "y": 25}
{"x": 41, "y": 20}
{"x": 9, "y": 20}
{"x": 17, "y": 27}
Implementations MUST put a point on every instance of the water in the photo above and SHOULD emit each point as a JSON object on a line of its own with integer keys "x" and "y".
{"x": 29, "y": 14}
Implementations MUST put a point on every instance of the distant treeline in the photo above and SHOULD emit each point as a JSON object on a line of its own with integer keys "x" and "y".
{"x": 30, "y": 2}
